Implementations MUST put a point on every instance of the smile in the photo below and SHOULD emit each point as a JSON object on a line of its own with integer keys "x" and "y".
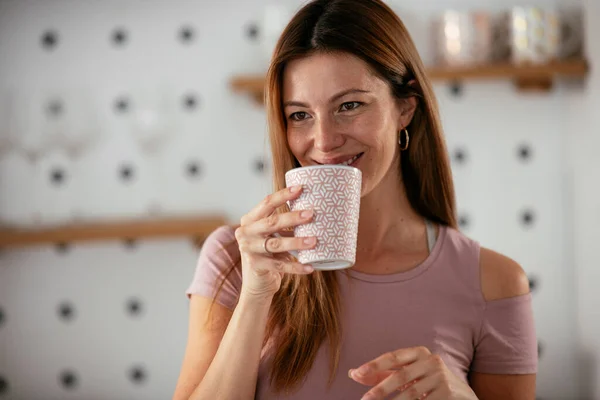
{"x": 352, "y": 160}
{"x": 349, "y": 162}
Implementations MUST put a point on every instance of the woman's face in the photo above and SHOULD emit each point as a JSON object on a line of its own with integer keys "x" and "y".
{"x": 336, "y": 109}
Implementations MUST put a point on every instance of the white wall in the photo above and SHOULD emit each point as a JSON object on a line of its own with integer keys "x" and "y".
{"x": 583, "y": 135}
{"x": 226, "y": 135}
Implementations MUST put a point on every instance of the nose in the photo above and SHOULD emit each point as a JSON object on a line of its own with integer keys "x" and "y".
{"x": 325, "y": 136}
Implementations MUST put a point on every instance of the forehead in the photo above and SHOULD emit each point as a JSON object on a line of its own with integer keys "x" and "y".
{"x": 321, "y": 75}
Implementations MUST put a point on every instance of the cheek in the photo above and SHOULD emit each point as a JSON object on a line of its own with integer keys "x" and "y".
{"x": 374, "y": 129}
{"x": 296, "y": 143}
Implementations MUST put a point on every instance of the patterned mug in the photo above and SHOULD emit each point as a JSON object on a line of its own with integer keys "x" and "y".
{"x": 333, "y": 193}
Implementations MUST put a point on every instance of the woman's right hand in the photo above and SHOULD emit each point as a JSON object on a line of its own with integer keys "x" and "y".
{"x": 262, "y": 271}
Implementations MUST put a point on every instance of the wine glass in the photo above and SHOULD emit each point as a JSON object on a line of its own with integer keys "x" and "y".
{"x": 152, "y": 120}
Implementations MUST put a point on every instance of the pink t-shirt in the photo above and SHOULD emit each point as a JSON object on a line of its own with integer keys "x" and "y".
{"x": 438, "y": 304}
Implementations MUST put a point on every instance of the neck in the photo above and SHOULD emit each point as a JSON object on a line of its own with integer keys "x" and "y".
{"x": 387, "y": 221}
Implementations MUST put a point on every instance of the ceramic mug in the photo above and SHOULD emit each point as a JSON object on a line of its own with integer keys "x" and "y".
{"x": 540, "y": 35}
{"x": 463, "y": 38}
{"x": 333, "y": 193}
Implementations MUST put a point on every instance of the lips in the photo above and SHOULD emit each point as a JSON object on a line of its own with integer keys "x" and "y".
{"x": 337, "y": 160}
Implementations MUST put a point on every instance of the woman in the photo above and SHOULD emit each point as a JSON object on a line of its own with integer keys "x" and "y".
{"x": 425, "y": 311}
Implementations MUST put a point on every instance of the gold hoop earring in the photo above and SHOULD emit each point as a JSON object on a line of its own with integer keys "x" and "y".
{"x": 400, "y": 139}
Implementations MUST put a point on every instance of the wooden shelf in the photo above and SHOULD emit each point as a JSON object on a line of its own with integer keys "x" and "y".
{"x": 526, "y": 76}
{"x": 570, "y": 68}
{"x": 197, "y": 228}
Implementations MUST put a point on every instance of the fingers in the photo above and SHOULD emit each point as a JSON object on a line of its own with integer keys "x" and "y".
{"x": 288, "y": 267}
{"x": 393, "y": 360}
{"x": 402, "y": 380}
{"x": 278, "y": 222}
{"x": 275, "y": 247}
{"x": 279, "y": 245}
{"x": 270, "y": 204}
{"x": 423, "y": 389}
{"x": 262, "y": 245}
{"x": 255, "y": 240}
{"x": 369, "y": 380}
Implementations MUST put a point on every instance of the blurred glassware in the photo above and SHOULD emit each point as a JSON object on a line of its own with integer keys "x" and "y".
{"x": 275, "y": 19}
{"x": 538, "y": 35}
{"x": 572, "y": 34}
{"x": 6, "y": 138}
{"x": 33, "y": 119}
{"x": 463, "y": 38}
{"x": 81, "y": 127}
{"x": 152, "y": 120}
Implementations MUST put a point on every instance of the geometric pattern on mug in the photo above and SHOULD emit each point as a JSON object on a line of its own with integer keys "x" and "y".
{"x": 535, "y": 34}
{"x": 334, "y": 195}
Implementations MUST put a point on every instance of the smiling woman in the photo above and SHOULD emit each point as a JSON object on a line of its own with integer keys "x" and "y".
{"x": 425, "y": 312}
{"x": 357, "y": 119}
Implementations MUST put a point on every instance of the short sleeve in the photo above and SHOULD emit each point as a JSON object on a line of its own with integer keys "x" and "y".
{"x": 219, "y": 252}
{"x": 507, "y": 343}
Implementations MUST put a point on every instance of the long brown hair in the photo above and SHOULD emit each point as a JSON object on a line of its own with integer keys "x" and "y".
{"x": 305, "y": 311}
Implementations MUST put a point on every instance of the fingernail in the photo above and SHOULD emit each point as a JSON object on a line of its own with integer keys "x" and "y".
{"x": 350, "y": 373}
{"x": 362, "y": 370}
{"x": 308, "y": 268}
{"x": 309, "y": 240}
{"x": 296, "y": 188}
{"x": 306, "y": 213}
{"x": 367, "y": 396}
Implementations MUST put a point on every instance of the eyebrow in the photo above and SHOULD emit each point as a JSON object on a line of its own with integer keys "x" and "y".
{"x": 331, "y": 100}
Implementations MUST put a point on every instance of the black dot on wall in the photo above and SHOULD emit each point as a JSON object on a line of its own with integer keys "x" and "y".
{"x": 119, "y": 37}
{"x": 2, "y": 318}
{"x": 456, "y": 89}
{"x": 55, "y": 108}
{"x": 126, "y": 172}
{"x": 137, "y": 374}
{"x": 259, "y": 166}
{"x": 62, "y": 247}
{"x": 193, "y": 169}
{"x": 122, "y": 105}
{"x": 4, "y": 388}
{"x": 49, "y": 40}
{"x": 186, "y": 34}
{"x": 540, "y": 349}
{"x": 252, "y": 31}
{"x": 524, "y": 152}
{"x": 460, "y": 155}
{"x": 68, "y": 379}
{"x": 463, "y": 221}
{"x": 134, "y": 307}
{"x": 66, "y": 311}
{"x": 57, "y": 176}
{"x": 130, "y": 243}
{"x": 533, "y": 283}
{"x": 527, "y": 218}
{"x": 190, "y": 102}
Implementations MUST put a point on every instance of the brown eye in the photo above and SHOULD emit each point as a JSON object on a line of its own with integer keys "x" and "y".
{"x": 298, "y": 116}
{"x": 351, "y": 105}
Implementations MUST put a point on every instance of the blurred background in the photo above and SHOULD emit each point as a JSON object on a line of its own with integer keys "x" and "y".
{"x": 129, "y": 130}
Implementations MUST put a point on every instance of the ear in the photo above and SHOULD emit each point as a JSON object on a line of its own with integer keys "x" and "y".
{"x": 406, "y": 108}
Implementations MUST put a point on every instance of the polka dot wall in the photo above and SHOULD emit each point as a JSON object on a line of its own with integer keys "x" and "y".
{"x": 108, "y": 320}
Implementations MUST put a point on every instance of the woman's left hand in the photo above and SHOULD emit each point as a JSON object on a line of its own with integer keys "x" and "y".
{"x": 415, "y": 373}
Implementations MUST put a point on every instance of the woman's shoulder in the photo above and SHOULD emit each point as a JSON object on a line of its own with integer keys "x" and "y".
{"x": 221, "y": 239}
{"x": 223, "y": 234}
{"x": 500, "y": 276}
